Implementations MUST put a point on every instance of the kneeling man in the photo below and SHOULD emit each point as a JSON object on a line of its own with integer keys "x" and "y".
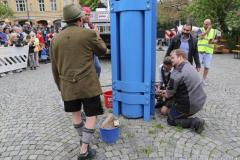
{"x": 185, "y": 87}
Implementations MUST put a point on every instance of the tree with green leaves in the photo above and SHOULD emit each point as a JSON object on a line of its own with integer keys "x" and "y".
{"x": 5, "y": 11}
{"x": 224, "y": 15}
{"x": 216, "y": 10}
{"x": 90, "y": 3}
{"x": 233, "y": 20}
{"x": 169, "y": 12}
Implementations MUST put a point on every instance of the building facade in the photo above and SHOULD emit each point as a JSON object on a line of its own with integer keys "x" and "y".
{"x": 36, "y": 11}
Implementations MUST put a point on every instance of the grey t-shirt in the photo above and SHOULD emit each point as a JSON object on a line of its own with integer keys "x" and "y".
{"x": 186, "y": 87}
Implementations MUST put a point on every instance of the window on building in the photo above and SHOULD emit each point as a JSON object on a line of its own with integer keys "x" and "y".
{"x": 65, "y": 2}
{"x": 41, "y": 5}
{"x": 21, "y": 7}
{"x": 53, "y": 5}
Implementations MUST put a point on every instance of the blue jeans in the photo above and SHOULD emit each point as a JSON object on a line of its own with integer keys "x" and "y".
{"x": 97, "y": 65}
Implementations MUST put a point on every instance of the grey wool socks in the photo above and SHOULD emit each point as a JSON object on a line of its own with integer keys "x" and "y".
{"x": 87, "y": 135}
{"x": 79, "y": 128}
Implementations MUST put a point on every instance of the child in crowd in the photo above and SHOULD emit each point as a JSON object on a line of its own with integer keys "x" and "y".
{"x": 32, "y": 55}
{"x": 164, "y": 77}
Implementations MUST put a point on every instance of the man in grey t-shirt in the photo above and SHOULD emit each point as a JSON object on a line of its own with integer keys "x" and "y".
{"x": 186, "y": 88}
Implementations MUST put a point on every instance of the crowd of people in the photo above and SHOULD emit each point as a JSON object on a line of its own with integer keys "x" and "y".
{"x": 36, "y": 38}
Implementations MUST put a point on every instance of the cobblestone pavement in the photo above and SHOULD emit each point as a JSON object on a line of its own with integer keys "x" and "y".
{"x": 33, "y": 124}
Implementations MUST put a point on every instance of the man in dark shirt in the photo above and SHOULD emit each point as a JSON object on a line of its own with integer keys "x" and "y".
{"x": 186, "y": 42}
{"x": 185, "y": 87}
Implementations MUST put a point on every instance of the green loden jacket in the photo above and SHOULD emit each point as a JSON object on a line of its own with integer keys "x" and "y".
{"x": 73, "y": 69}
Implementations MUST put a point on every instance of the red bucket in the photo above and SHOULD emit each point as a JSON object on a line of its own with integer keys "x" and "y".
{"x": 108, "y": 99}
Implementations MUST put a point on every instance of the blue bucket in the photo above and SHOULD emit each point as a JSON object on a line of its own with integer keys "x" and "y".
{"x": 110, "y": 135}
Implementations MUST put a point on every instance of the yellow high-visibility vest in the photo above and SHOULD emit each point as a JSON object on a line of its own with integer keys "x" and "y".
{"x": 203, "y": 44}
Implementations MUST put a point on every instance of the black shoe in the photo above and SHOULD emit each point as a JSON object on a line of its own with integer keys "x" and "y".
{"x": 91, "y": 153}
{"x": 198, "y": 125}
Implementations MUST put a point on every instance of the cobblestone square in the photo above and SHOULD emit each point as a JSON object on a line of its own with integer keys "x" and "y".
{"x": 33, "y": 124}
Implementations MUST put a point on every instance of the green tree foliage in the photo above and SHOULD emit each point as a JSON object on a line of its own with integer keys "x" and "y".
{"x": 5, "y": 11}
{"x": 219, "y": 11}
{"x": 169, "y": 12}
{"x": 90, "y": 3}
{"x": 233, "y": 22}
{"x": 232, "y": 19}
{"x": 223, "y": 13}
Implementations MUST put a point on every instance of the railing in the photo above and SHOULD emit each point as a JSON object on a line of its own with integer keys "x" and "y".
{"x": 13, "y": 58}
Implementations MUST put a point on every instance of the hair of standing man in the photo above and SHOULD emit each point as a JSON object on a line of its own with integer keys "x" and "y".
{"x": 179, "y": 53}
{"x": 188, "y": 23}
{"x": 167, "y": 61}
{"x": 73, "y": 21}
{"x": 208, "y": 21}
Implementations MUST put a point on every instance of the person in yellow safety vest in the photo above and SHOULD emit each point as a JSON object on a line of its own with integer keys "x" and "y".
{"x": 206, "y": 41}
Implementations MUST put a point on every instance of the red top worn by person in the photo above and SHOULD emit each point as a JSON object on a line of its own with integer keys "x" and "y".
{"x": 40, "y": 38}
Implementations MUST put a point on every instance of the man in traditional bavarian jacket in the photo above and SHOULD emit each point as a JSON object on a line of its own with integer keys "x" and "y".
{"x": 185, "y": 87}
{"x": 73, "y": 70}
{"x": 206, "y": 40}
